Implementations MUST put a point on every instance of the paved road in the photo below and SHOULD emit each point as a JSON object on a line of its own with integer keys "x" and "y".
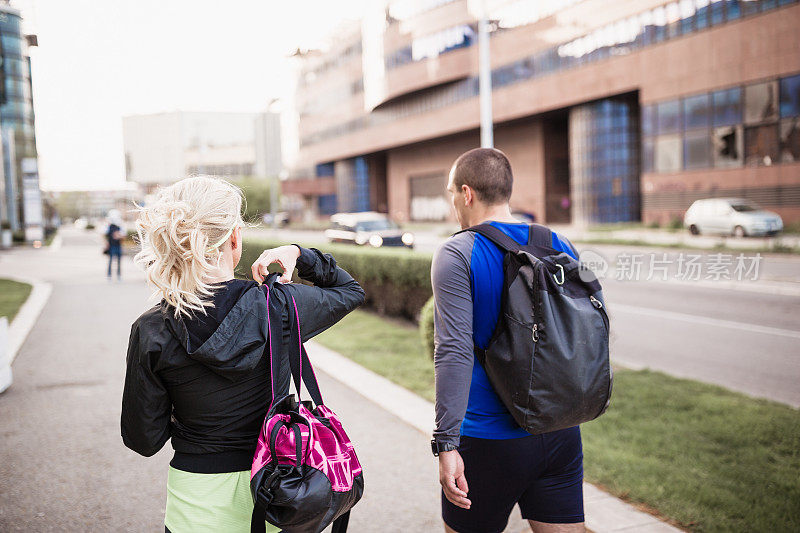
{"x": 743, "y": 335}
{"x": 772, "y": 267}
{"x": 62, "y": 462}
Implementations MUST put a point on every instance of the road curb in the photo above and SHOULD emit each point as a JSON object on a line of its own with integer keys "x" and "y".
{"x": 604, "y": 512}
{"x": 26, "y": 318}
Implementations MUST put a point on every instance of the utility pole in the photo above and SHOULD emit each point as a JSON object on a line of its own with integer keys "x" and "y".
{"x": 485, "y": 78}
{"x": 273, "y": 196}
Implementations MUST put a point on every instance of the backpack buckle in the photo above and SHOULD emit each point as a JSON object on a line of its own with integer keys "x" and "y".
{"x": 561, "y": 271}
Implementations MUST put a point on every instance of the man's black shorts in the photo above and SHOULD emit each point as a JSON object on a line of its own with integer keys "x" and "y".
{"x": 542, "y": 473}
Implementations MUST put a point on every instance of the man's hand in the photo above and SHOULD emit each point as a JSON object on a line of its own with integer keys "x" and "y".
{"x": 451, "y": 477}
{"x": 285, "y": 256}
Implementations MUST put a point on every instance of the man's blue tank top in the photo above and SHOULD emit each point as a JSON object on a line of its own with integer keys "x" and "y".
{"x": 487, "y": 417}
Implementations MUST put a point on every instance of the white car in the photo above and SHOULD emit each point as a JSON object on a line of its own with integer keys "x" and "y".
{"x": 731, "y": 216}
{"x": 375, "y": 229}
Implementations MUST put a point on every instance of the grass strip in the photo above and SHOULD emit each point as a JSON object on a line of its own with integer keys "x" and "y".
{"x": 699, "y": 455}
{"x": 12, "y": 295}
{"x": 776, "y": 248}
{"x": 391, "y": 348}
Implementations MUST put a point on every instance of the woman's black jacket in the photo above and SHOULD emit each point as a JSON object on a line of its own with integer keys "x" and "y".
{"x": 205, "y": 382}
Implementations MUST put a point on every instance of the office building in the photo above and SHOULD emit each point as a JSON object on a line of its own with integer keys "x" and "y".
{"x": 609, "y": 111}
{"x": 21, "y": 208}
{"x": 162, "y": 148}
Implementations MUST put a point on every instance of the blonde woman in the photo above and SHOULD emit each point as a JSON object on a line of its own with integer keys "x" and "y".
{"x": 196, "y": 370}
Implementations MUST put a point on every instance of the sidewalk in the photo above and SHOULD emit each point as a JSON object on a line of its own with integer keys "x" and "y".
{"x": 63, "y": 462}
{"x": 604, "y": 513}
{"x": 682, "y": 237}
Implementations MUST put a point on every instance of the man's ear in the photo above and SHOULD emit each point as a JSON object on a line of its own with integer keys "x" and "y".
{"x": 468, "y": 195}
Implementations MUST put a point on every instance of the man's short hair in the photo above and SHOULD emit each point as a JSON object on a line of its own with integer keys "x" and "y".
{"x": 488, "y": 172}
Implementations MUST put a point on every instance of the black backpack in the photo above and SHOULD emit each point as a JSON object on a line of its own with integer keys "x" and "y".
{"x": 548, "y": 356}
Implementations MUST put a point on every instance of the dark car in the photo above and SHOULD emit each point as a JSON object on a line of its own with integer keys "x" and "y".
{"x": 369, "y": 228}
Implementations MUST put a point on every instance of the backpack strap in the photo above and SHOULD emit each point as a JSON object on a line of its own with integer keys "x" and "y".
{"x": 539, "y": 235}
{"x": 497, "y": 236}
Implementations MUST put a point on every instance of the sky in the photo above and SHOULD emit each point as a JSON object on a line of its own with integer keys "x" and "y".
{"x": 100, "y": 60}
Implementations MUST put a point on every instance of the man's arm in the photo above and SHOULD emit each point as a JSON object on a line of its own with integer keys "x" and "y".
{"x": 454, "y": 348}
{"x": 453, "y": 358}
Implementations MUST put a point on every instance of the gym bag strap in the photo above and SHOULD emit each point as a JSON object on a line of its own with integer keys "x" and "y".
{"x": 305, "y": 473}
{"x": 299, "y": 363}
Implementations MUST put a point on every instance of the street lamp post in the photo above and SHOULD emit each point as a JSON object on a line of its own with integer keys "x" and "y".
{"x": 485, "y": 78}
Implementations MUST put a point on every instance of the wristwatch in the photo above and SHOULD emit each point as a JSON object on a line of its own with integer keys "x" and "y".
{"x": 438, "y": 447}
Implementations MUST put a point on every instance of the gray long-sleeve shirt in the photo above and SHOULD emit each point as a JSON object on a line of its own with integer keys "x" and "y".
{"x": 453, "y": 352}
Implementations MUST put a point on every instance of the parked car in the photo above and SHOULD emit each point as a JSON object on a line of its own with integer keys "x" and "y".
{"x": 731, "y": 216}
{"x": 369, "y": 228}
{"x": 281, "y": 219}
{"x": 524, "y": 216}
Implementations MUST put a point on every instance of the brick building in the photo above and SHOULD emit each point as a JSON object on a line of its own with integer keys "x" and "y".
{"x": 609, "y": 111}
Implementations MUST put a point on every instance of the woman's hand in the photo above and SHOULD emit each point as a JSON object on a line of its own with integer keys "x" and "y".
{"x": 285, "y": 256}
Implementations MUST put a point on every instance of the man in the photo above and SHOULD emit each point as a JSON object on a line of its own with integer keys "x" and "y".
{"x": 487, "y": 463}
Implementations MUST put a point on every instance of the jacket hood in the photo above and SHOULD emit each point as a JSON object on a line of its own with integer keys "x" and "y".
{"x": 237, "y": 345}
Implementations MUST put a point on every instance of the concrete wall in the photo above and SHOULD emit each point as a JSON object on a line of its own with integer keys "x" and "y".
{"x": 523, "y": 143}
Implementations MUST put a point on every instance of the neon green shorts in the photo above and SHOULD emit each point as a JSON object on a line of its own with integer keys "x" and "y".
{"x": 213, "y": 503}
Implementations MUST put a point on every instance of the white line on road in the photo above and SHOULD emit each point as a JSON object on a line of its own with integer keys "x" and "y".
{"x": 695, "y": 319}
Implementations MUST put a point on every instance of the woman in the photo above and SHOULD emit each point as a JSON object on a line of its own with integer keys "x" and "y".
{"x": 196, "y": 371}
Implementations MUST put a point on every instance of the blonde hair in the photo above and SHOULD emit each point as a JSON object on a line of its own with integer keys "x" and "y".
{"x": 181, "y": 233}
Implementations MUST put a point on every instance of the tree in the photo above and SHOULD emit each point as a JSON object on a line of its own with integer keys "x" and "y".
{"x": 257, "y": 197}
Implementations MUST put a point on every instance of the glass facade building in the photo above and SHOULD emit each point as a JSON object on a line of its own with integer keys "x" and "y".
{"x": 621, "y": 37}
{"x": 750, "y": 125}
{"x": 607, "y": 115}
{"x": 604, "y": 161}
{"x": 17, "y": 126}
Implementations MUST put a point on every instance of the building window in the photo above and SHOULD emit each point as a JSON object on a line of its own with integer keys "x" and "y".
{"x": 701, "y": 15}
{"x": 673, "y": 13}
{"x": 668, "y": 153}
{"x": 727, "y": 107}
{"x": 790, "y": 96}
{"x": 761, "y": 102}
{"x": 648, "y": 153}
{"x": 687, "y": 8}
{"x": 326, "y": 204}
{"x": 669, "y": 117}
{"x": 734, "y": 9}
{"x": 751, "y": 7}
{"x": 648, "y": 120}
{"x": 324, "y": 170}
{"x": 428, "y": 197}
{"x": 696, "y": 150}
{"x": 696, "y": 111}
{"x": 761, "y": 145}
{"x": 727, "y": 146}
{"x": 717, "y": 12}
{"x": 790, "y": 140}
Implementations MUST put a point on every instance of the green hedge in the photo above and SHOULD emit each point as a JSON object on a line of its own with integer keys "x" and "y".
{"x": 426, "y": 326}
{"x": 397, "y": 281}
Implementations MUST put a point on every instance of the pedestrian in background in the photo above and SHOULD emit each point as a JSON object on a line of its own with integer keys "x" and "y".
{"x": 198, "y": 364}
{"x": 115, "y": 233}
{"x": 487, "y": 462}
